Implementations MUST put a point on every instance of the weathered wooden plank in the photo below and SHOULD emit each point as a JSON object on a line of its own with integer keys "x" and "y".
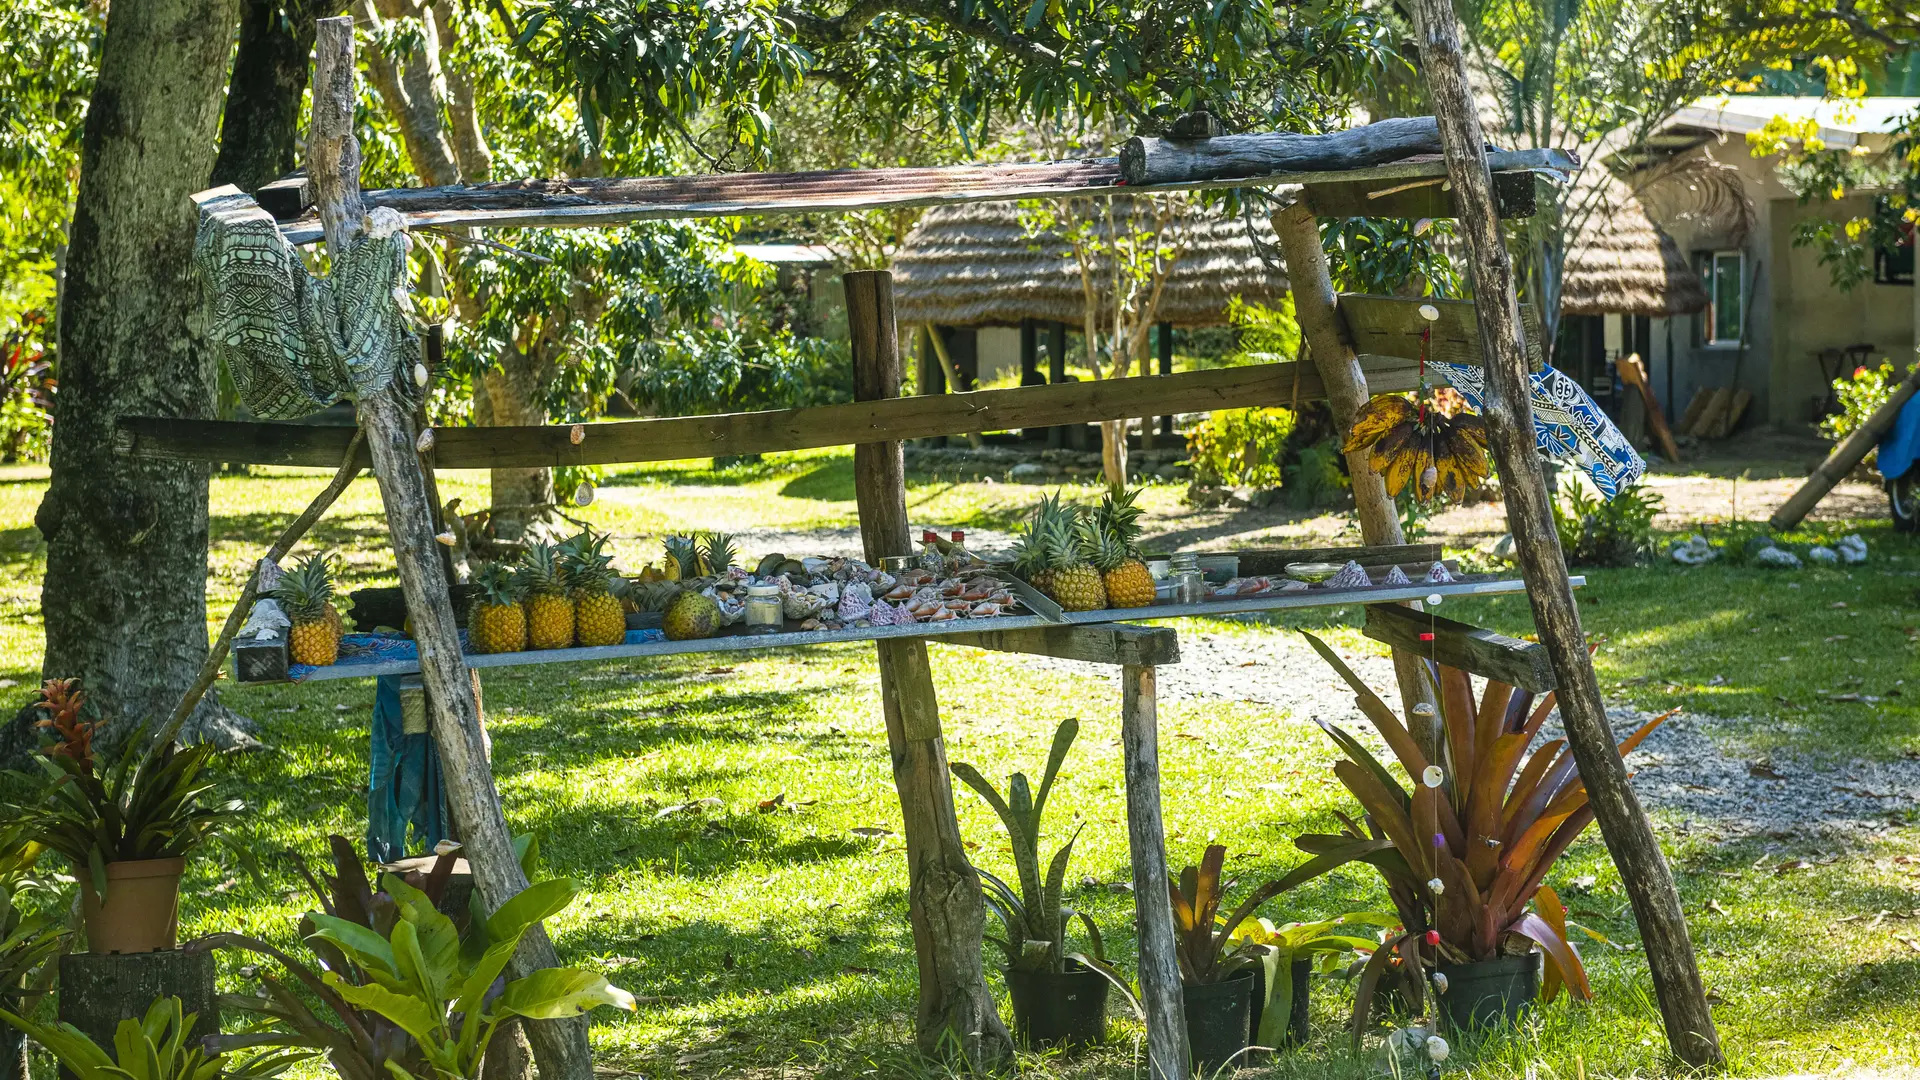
{"x": 1160, "y": 991}
{"x": 587, "y": 202}
{"x": 956, "y": 1011}
{"x": 1145, "y": 160}
{"x": 1254, "y": 561}
{"x": 1137, "y": 645}
{"x": 676, "y": 438}
{"x": 1456, "y": 644}
{"x": 1392, "y": 325}
{"x": 1630, "y": 838}
{"x": 1515, "y": 192}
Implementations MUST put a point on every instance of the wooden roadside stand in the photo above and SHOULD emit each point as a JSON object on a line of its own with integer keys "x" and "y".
{"x": 1360, "y": 346}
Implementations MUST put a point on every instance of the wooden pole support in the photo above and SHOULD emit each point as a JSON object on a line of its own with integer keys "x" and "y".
{"x": 956, "y": 1010}
{"x": 1160, "y": 991}
{"x": 1634, "y": 374}
{"x": 1509, "y": 413}
{"x": 1317, "y": 308}
{"x": 1851, "y": 452}
{"x": 1140, "y": 645}
{"x": 1482, "y": 652}
{"x": 560, "y": 1046}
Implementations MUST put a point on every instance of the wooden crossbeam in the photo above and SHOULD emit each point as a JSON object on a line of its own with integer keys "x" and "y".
{"x": 1392, "y": 325}
{"x": 678, "y": 438}
{"x": 1516, "y": 195}
{"x": 1482, "y": 652}
{"x": 1143, "y": 646}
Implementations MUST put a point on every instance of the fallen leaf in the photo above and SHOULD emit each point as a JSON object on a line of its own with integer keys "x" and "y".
{"x": 855, "y": 969}
{"x": 768, "y": 806}
{"x": 1911, "y": 943}
{"x": 1764, "y": 770}
{"x": 1838, "y": 604}
{"x": 1714, "y": 906}
{"x": 1790, "y": 866}
{"x": 719, "y": 671}
{"x": 1836, "y": 637}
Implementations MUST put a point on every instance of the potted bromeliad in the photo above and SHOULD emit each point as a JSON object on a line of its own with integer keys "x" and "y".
{"x": 1465, "y": 854}
{"x": 127, "y": 826}
{"x": 1059, "y": 997}
{"x": 1219, "y": 967}
{"x": 1280, "y": 1004}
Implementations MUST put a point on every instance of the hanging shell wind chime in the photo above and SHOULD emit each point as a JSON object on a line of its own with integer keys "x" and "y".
{"x": 1430, "y": 442}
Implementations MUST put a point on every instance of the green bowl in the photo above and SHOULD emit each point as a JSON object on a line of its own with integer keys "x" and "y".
{"x": 1312, "y": 571}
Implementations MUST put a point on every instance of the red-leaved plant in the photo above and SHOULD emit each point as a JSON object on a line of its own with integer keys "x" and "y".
{"x": 1465, "y": 854}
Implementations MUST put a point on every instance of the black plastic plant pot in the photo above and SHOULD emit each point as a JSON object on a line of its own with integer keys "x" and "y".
{"x": 1297, "y": 1029}
{"x": 1219, "y": 1022}
{"x": 1067, "y": 1009}
{"x": 1490, "y": 993}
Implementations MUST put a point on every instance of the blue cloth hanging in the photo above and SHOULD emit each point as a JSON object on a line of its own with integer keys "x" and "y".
{"x": 404, "y": 791}
{"x": 1566, "y": 425}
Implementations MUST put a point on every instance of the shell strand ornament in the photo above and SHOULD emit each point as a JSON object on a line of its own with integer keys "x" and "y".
{"x": 1429, "y": 442}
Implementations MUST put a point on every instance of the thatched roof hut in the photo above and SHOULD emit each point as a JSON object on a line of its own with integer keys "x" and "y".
{"x": 1619, "y": 261}
{"x": 975, "y": 265}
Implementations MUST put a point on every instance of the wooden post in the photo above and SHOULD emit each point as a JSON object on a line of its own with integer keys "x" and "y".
{"x": 1160, "y": 991}
{"x": 1635, "y": 375}
{"x": 1056, "y": 373}
{"x": 1509, "y": 414}
{"x": 1851, "y": 452}
{"x": 1316, "y": 306}
{"x": 1166, "y": 368}
{"x": 956, "y": 1011}
{"x": 560, "y": 1046}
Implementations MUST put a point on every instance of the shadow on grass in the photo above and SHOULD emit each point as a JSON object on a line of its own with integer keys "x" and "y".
{"x": 828, "y": 481}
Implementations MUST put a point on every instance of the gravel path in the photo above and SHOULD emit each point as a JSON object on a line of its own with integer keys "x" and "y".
{"x": 1691, "y": 771}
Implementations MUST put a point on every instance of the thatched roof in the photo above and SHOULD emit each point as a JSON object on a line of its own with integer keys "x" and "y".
{"x": 1619, "y": 261}
{"x": 975, "y": 265}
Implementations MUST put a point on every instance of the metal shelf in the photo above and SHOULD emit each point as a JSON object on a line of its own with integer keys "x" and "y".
{"x": 734, "y": 640}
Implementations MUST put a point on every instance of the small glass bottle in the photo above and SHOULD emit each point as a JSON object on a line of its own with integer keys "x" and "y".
{"x": 1189, "y": 582}
{"x": 931, "y": 558}
{"x": 764, "y": 612}
{"x": 958, "y": 557}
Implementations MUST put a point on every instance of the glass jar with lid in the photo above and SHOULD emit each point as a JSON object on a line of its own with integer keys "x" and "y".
{"x": 1189, "y": 582}
{"x": 764, "y": 613}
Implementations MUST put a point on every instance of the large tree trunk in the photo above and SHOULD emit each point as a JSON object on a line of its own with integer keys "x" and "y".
{"x": 521, "y": 497}
{"x": 261, "y": 126}
{"x": 125, "y": 590}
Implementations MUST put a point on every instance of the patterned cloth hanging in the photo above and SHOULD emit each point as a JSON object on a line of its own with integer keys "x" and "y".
{"x": 295, "y": 343}
{"x": 1566, "y": 425}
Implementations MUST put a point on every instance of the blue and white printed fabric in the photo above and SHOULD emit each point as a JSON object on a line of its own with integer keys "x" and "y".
{"x": 1566, "y": 425}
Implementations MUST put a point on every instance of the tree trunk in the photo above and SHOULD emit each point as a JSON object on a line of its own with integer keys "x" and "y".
{"x": 125, "y": 591}
{"x": 1113, "y": 452}
{"x": 520, "y": 496}
{"x": 259, "y": 132}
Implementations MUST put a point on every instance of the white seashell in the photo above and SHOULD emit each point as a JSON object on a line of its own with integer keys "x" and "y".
{"x": 882, "y": 581}
{"x": 855, "y": 602}
{"x": 1351, "y": 576}
{"x": 1440, "y": 981}
{"x": 827, "y": 590}
{"x": 1436, "y": 886}
{"x": 1437, "y": 1049}
{"x": 881, "y": 614}
{"x": 1438, "y": 575}
{"x": 1433, "y": 776}
{"x": 1395, "y": 576}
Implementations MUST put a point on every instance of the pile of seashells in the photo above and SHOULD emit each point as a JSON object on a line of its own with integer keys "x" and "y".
{"x": 840, "y": 593}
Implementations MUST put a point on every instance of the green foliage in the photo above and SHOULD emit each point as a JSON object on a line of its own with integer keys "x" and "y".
{"x": 1241, "y": 447}
{"x": 1596, "y": 531}
{"x": 28, "y": 938}
{"x": 1267, "y": 335}
{"x": 154, "y": 1047}
{"x": 406, "y": 991}
{"x": 1317, "y": 476}
{"x": 1329, "y": 940}
{"x": 1204, "y": 942}
{"x": 26, "y": 392}
{"x": 1860, "y": 395}
{"x": 151, "y": 802}
{"x": 1389, "y": 256}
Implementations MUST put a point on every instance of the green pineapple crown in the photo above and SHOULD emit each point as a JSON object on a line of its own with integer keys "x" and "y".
{"x": 684, "y": 553}
{"x": 1062, "y": 531}
{"x": 1104, "y": 549}
{"x": 720, "y": 553}
{"x": 497, "y": 585}
{"x": 539, "y": 573}
{"x": 1119, "y": 517}
{"x": 585, "y": 564}
{"x": 305, "y": 590}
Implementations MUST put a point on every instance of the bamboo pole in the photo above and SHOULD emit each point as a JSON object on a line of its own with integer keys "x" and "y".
{"x": 560, "y": 1046}
{"x": 1509, "y": 413}
{"x": 1851, "y": 452}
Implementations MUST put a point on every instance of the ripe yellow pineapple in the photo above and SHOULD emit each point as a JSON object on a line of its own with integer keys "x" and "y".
{"x": 598, "y": 616}
{"x": 304, "y": 593}
{"x": 683, "y": 559}
{"x": 1030, "y": 550}
{"x": 1076, "y": 585}
{"x": 497, "y": 623}
{"x": 1117, "y": 553}
{"x": 549, "y": 608}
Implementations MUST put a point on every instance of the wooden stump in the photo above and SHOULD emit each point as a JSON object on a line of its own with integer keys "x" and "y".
{"x": 1147, "y": 841}
{"x": 956, "y": 1011}
{"x": 98, "y": 990}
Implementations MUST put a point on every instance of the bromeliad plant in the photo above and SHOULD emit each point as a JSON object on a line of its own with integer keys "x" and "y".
{"x": 1034, "y": 918}
{"x": 149, "y": 803}
{"x": 154, "y": 1047}
{"x": 1467, "y": 851}
{"x": 1204, "y": 944}
{"x": 1329, "y": 940}
{"x": 403, "y": 991}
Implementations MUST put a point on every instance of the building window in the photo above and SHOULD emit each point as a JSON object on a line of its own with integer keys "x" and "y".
{"x": 1894, "y": 265}
{"x": 1724, "y": 275}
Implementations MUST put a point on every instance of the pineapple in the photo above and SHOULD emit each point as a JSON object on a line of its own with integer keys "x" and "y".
{"x": 549, "y": 608}
{"x": 1077, "y": 586}
{"x": 304, "y": 594}
{"x": 1030, "y": 552}
{"x": 683, "y": 559}
{"x": 1116, "y": 551}
{"x": 719, "y": 555}
{"x": 497, "y": 623}
{"x": 598, "y": 616}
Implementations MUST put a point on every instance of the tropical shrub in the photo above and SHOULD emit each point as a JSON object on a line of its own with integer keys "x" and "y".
{"x": 1317, "y": 476}
{"x": 154, "y": 1047}
{"x": 1329, "y": 940}
{"x": 1204, "y": 944}
{"x": 1860, "y": 395}
{"x": 1240, "y": 448}
{"x": 1605, "y": 532}
{"x": 1466, "y": 853}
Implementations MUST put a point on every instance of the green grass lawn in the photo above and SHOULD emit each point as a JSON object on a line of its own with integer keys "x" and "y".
{"x": 776, "y": 944}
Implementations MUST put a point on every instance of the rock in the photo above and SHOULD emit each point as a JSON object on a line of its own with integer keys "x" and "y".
{"x": 1757, "y": 544}
{"x": 1167, "y": 471}
{"x": 1823, "y": 555}
{"x": 1852, "y": 549}
{"x": 1778, "y": 558}
{"x": 1029, "y": 472}
{"x": 1262, "y": 498}
{"x": 1693, "y": 551}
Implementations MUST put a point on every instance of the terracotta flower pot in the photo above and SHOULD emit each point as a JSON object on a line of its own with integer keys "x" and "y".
{"x": 142, "y": 908}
